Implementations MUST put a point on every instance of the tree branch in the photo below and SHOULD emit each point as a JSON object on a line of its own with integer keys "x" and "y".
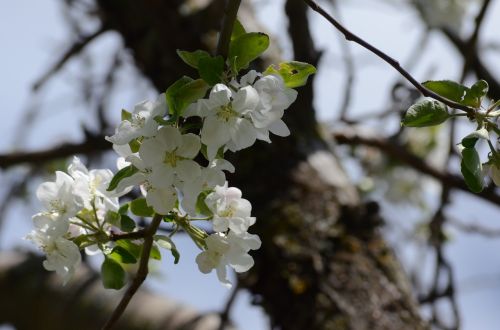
{"x": 398, "y": 152}
{"x": 73, "y": 50}
{"x": 141, "y": 274}
{"x": 92, "y": 144}
{"x": 230, "y": 13}
{"x": 392, "y": 62}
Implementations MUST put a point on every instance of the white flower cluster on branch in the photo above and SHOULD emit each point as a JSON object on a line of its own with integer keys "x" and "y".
{"x": 180, "y": 171}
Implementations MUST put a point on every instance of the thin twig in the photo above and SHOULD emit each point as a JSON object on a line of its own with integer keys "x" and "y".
{"x": 395, "y": 64}
{"x": 140, "y": 276}
{"x": 224, "y": 315}
{"x": 73, "y": 50}
{"x": 230, "y": 13}
{"x": 479, "y": 23}
{"x": 398, "y": 152}
{"x": 134, "y": 235}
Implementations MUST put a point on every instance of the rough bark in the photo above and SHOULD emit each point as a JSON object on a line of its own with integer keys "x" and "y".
{"x": 323, "y": 263}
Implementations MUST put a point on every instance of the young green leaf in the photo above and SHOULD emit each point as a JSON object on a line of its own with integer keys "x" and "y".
{"x": 123, "y": 209}
{"x": 470, "y": 140}
{"x": 456, "y": 92}
{"x": 155, "y": 252}
{"x": 113, "y": 275}
{"x": 112, "y": 218}
{"x": 126, "y": 115}
{"x": 140, "y": 208}
{"x": 134, "y": 145}
{"x": 238, "y": 30}
{"x": 167, "y": 243}
{"x": 120, "y": 175}
{"x": 127, "y": 224}
{"x": 132, "y": 248}
{"x": 246, "y": 48}
{"x": 471, "y": 168}
{"x": 425, "y": 113}
{"x": 122, "y": 255}
{"x": 184, "y": 92}
{"x": 201, "y": 206}
{"x": 211, "y": 69}
{"x": 294, "y": 73}
{"x": 479, "y": 89}
{"x": 192, "y": 58}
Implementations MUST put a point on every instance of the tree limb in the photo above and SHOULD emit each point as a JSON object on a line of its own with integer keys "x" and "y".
{"x": 398, "y": 152}
{"x": 392, "y": 62}
{"x": 140, "y": 276}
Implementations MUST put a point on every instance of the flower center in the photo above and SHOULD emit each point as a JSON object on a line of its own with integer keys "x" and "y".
{"x": 137, "y": 120}
{"x": 227, "y": 213}
{"x": 58, "y": 206}
{"x": 171, "y": 158}
{"x": 226, "y": 112}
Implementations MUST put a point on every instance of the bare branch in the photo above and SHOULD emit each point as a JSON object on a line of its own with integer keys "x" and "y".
{"x": 398, "y": 152}
{"x": 73, "y": 50}
{"x": 91, "y": 145}
{"x": 395, "y": 64}
{"x": 140, "y": 276}
{"x": 230, "y": 13}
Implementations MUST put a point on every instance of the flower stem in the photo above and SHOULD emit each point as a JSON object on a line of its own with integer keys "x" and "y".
{"x": 141, "y": 274}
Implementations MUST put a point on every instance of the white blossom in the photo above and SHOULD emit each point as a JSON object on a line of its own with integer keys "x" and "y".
{"x": 230, "y": 211}
{"x": 274, "y": 98}
{"x": 141, "y": 123}
{"x": 58, "y": 197}
{"x": 63, "y": 256}
{"x": 210, "y": 177}
{"x": 227, "y": 250}
{"x": 91, "y": 186}
{"x": 225, "y": 119}
{"x": 170, "y": 154}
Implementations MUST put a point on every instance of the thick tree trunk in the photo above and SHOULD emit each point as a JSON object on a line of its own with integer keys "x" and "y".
{"x": 323, "y": 264}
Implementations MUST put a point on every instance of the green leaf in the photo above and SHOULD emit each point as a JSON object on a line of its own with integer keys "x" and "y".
{"x": 201, "y": 206}
{"x": 246, "y": 48}
{"x": 113, "y": 218}
{"x": 192, "y": 58}
{"x": 211, "y": 69}
{"x": 184, "y": 92}
{"x": 167, "y": 243}
{"x": 238, "y": 30}
{"x": 479, "y": 89}
{"x": 458, "y": 93}
{"x": 126, "y": 115}
{"x": 127, "y": 224}
{"x": 113, "y": 275}
{"x": 123, "y": 209}
{"x": 134, "y": 145}
{"x": 140, "y": 208}
{"x": 132, "y": 248}
{"x": 294, "y": 74}
{"x": 425, "y": 113}
{"x": 155, "y": 252}
{"x": 122, "y": 255}
{"x": 120, "y": 175}
{"x": 471, "y": 168}
{"x": 470, "y": 140}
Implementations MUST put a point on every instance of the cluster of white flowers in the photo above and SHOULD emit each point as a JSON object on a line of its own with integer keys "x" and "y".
{"x": 74, "y": 204}
{"x": 160, "y": 157}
